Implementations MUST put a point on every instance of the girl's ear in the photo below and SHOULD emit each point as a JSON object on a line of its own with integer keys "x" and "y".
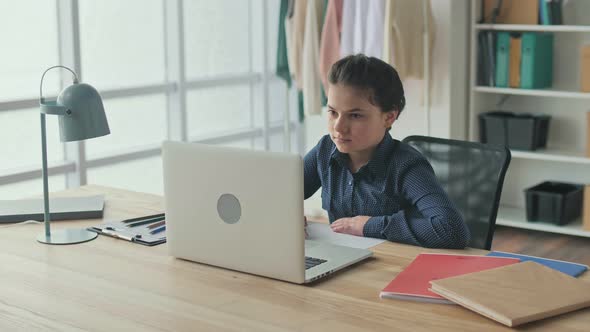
{"x": 390, "y": 118}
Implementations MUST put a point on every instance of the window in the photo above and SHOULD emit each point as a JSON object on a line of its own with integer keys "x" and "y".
{"x": 21, "y": 144}
{"x": 31, "y": 188}
{"x": 134, "y": 122}
{"x": 122, "y": 42}
{"x": 218, "y": 109}
{"x": 216, "y": 37}
{"x": 28, "y": 31}
{"x": 143, "y": 175}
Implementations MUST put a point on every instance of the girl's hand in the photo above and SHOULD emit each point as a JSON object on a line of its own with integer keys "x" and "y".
{"x": 352, "y": 226}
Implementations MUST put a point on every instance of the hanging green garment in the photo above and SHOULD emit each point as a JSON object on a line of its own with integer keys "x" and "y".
{"x": 282, "y": 70}
{"x": 300, "y": 105}
{"x": 324, "y": 97}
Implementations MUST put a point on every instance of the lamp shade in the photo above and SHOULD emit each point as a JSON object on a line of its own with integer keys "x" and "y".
{"x": 85, "y": 117}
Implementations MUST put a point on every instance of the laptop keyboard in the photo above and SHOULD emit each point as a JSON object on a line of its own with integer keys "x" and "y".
{"x": 311, "y": 262}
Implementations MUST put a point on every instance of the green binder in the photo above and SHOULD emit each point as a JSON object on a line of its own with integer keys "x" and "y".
{"x": 547, "y": 57}
{"x": 536, "y": 71}
{"x": 545, "y": 12}
{"x": 502, "y": 59}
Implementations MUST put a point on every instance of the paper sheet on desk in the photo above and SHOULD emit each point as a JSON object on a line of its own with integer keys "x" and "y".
{"x": 323, "y": 232}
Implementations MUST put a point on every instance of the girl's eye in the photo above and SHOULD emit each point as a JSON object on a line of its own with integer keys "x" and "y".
{"x": 356, "y": 116}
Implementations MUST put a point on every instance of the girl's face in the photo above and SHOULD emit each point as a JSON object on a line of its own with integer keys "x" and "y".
{"x": 355, "y": 125}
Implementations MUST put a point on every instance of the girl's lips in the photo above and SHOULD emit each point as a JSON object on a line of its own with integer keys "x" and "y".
{"x": 341, "y": 140}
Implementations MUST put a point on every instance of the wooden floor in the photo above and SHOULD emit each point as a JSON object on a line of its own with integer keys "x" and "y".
{"x": 549, "y": 245}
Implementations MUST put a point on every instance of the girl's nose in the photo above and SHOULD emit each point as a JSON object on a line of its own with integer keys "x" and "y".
{"x": 340, "y": 125}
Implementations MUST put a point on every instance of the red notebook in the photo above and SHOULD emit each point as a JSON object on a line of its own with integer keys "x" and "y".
{"x": 413, "y": 282}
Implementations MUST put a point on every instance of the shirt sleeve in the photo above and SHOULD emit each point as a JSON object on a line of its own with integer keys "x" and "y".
{"x": 312, "y": 181}
{"x": 430, "y": 220}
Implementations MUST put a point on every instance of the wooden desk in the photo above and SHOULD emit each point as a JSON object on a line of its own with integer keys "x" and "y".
{"x": 110, "y": 284}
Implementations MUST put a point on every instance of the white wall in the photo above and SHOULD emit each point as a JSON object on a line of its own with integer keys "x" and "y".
{"x": 449, "y": 82}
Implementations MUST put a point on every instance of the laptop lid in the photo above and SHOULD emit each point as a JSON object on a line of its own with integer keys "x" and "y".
{"x": 235, "y": 208}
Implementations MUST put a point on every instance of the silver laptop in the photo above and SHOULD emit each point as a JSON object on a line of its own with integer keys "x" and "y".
{"x": 243, "y": 210}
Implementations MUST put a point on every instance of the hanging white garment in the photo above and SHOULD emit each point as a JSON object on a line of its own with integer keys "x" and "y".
{"x": 354, "y": 27}
{"x": 310, "y": 75}
{"x": 360, "y": 25}
{"x": 347, "y": 35}
{"x": 374, "y": 28}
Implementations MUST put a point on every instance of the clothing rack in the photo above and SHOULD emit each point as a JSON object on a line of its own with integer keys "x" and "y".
{"x": 426, "y": 64}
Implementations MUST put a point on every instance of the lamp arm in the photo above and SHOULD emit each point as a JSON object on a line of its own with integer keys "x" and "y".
{"x": 54, "y": 109}
{"x": 45, "y": 72}
{"x": 45, "y": 175}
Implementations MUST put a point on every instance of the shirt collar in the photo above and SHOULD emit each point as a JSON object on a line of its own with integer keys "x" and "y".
{"x": 378, "y": 163}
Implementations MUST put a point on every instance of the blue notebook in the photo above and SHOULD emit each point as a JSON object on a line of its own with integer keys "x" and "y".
{"x": 573, "y": 269}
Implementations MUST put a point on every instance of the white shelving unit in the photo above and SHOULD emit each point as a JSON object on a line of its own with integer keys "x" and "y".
{"x": 526, "y": 27}
{"x": 533, "y": 92}
{"x": 516, "y": 217}
{"x": 550, "y": 154}
{"x": 564, "y": 159}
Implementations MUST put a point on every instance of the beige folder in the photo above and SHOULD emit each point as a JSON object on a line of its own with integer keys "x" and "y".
{"x": 585, "y": 68}
{"x": 514, "y": 63}
{"x": 586, "y": 209}
{"x": 517, "y": 293}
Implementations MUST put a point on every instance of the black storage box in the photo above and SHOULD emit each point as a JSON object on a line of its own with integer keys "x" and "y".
{"x": 516, "y": 131}
{"x": 554, "y": 202}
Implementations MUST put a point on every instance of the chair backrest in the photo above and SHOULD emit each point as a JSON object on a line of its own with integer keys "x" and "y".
{"x": 472, "y": 174}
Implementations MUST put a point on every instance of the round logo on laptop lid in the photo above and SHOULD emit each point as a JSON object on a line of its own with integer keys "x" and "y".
{"x": 229, "y": 208}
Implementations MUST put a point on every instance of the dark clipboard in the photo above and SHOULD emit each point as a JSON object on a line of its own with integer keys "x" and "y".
{"x": 142, "y": 233}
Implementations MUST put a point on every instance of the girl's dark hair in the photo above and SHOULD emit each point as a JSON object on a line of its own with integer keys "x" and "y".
{"x": 373, "y": 75}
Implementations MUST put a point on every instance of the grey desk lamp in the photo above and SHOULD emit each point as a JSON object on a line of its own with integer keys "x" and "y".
{"x": 81, "y": 116}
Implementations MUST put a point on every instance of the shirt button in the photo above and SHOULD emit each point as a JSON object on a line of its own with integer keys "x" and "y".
{"x": 350, "y": 183}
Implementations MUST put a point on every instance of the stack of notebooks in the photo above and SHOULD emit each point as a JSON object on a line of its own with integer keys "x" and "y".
{"x": 60, "y": 208}
{"x": 509, "y": 288}
{"x": 147, "y": 230}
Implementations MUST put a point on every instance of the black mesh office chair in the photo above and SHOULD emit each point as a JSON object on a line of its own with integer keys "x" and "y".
{"x": 472, "y": 174}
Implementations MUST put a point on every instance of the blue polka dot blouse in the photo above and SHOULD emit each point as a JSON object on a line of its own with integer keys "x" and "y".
{"x": 397, "y": 189}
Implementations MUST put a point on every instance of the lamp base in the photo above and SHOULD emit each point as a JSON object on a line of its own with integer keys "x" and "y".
{"x": 67, "y": 236}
